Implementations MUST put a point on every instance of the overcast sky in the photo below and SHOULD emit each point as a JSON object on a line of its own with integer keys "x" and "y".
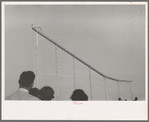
{"x": 111, "y": 38}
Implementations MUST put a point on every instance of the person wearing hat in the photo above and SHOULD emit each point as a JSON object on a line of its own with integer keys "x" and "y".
{"x": 26, "y": 82}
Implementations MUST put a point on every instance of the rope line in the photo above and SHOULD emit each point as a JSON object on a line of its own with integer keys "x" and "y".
{"x": 74, "y": 73}
{"x": 118, "y": 89}
{"x": 37, "y": 59}
{"x": 90, "y": 83}
{"x": 131, "y": 91}
{"x": 56, "y": 71}
{"x": 105, "y": 88}
{"x": 30, "y": 55}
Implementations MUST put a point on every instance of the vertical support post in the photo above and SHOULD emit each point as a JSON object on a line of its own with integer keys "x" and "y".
{"x": 90, "y": 83}
{"x": 37, "y": 59}
{"x": 118, "y": 88}
{"x": 105, "y": 89}
{"x": 32, "y": 50}
{"x": 56, "y": 72}
{"x": 131, "y": 91}
{"x": 74, "y": 73}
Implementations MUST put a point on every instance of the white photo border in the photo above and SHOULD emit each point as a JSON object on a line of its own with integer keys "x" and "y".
{"x": 66, "y": 110}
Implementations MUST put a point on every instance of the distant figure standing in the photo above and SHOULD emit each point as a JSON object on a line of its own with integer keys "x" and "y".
{"x": 136, "y": 98}
{"x": 34, "y": 92}
{"x": 26, "y": 82}
{"x": 79, "y": 95}
{"x": 46, "y": 93}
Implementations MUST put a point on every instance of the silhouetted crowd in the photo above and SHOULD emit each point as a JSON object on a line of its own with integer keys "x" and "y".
{"x": 119, "y": 99}
{"x": 27, "y": 92}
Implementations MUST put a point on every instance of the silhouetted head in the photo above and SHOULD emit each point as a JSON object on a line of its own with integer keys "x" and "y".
{"x": 136, "y": 98}
{"x": 119, "y": 99}
{"x": 46, "y": 93}
{"x": 27, "y": 79}
{"x": 125, "y": 99}
{"x": 79, "y": 95}
{"x": 34, "y": 92}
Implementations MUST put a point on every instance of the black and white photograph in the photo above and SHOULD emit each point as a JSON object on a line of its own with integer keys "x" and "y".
{"x": 77, "y": 54}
